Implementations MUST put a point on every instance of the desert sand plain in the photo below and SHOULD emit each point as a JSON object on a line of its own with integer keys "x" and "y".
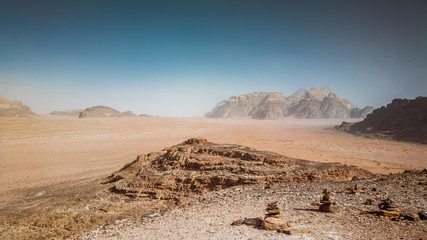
{"x": 49, "y": 149}
{"x": 42, "y": 151}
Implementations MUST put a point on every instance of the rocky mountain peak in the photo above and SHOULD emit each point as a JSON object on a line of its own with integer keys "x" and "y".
{"x": 313, "y": 103}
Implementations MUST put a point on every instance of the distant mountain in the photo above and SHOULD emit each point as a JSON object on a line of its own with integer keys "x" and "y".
{"x": 103, "y": 111}
{"x": 313, "y": 103}
{"x": 14, "y": 108}
{"x": 402, "y": 119}
{"x": 73, "y": 112}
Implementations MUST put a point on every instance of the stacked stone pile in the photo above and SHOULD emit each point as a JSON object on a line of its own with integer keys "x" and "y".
{"x": 326, "y": 202}
{"x": 388, "y": 208}
{"x": 274, "y": 218}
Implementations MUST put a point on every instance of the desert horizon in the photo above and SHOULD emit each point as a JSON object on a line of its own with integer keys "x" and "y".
{"x": 163, "y": 119}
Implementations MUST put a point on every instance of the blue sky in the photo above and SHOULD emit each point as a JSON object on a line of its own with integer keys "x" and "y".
{"x": 179, "y": 58}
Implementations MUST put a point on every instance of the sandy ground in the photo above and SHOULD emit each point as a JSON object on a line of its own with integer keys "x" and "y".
{"x": 46, "y": 150}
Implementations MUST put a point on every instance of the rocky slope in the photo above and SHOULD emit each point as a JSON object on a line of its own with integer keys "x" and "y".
{"x": 356, "y": 214}
{"x": 403, "y": 119}
{"x": 315, "y": 103}
{"x": 103, "y": 111}
{"x": 13, "y": 108}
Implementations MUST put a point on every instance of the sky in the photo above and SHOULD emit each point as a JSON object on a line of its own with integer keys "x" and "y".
{"x": 180, "y": 58}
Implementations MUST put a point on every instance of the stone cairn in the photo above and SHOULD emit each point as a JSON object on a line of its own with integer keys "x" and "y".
{"x": 274, "y": 218}
{"x": 326, "y": 202}
{"x": 388, "y": 208}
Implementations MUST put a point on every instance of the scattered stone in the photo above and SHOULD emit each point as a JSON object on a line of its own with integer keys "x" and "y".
{"x": 256, "y": 222}
{"x": 237, "y": 222}
{"x": 411, "y": 216}
{"x": 356, "y": 189}
{"x": 423, "y": 215}
{"x": 369, "y": 202}
{"x": 295, "y": 230}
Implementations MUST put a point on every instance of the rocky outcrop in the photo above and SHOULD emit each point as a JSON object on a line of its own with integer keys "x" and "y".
{"x": 361, "y": 113}
{"x": 315, "y": 103}
{"x": 199, "y": 166}
{"x": 260, "y": 105}
{"x": 73, "y": 113}
{"x": 103, "y": 111}
{"x": 13, "y": 108}
{"x": 403, "y": 119}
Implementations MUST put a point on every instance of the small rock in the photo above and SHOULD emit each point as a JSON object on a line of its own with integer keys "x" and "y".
{"x": 387, "y": 213}
{"x": 295, "y": 230}
{"x": 412, "y": 216}
{"x": 256, "y": 222}
{"x": 423, "y": 215}
{"x": 369, "y": 202}
{"x": 271, "y": 223}
{"x": 237, "y": 223}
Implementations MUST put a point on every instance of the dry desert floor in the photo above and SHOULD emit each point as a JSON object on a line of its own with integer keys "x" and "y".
{"x": 46, "y": 150}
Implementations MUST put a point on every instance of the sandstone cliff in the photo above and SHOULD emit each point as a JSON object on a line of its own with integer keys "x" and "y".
{"x": 314, "y": 103}
{"x": 13, "y": 108}
{"x": 403, "y": 119}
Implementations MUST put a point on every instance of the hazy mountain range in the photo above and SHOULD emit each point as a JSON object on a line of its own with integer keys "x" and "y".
{"x": 313, "y": 103}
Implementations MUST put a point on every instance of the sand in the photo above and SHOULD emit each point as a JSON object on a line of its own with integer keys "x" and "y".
{"x": 45, "y": 150}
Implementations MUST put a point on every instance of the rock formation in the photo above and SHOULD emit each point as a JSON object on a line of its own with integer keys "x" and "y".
{"x": 103, "y": 111}
{"x": 73, "y": 113}
{"x": 402, "y": 119}
{"x": 13, "y": 108}
{"x": 198, "y": 166}
{"x": 315, "y": 103}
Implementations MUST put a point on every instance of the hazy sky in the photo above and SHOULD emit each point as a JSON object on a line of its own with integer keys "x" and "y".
{"x": 179, "y": 58}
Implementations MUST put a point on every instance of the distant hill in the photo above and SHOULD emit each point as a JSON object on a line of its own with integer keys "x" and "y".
{"x": 14, "y": 108}
{"x": 313, "y": 103}
{"x": 73, "y": 112}
{"x": 103, "y": 111}
{"x": 402, "y": 119}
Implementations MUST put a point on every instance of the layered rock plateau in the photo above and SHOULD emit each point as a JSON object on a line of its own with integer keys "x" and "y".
{"x": 199, "y": 166}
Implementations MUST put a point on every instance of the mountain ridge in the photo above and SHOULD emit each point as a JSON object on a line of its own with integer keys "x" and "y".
{"x": 313, "y": 103}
